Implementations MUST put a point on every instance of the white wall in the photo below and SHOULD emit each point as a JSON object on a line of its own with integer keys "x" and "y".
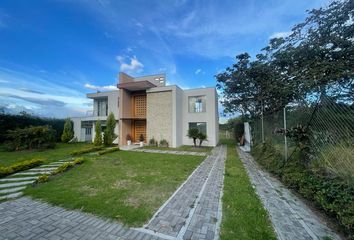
{"x": 210, "y": 116}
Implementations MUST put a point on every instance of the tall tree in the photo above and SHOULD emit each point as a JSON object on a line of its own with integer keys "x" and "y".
{"x": 68, "y": 133}
{"x": 317, "y": 57}
{"x": 109, "y": 134}
{"x": 98, "y": 134}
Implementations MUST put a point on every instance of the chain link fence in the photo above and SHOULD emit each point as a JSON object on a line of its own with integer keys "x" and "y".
{"x": 329, "y": 125}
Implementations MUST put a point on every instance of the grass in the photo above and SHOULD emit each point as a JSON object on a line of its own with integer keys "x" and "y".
{"x": 183, "y": 148}
{"x": 244, "y": 216}
{"x": 62, "y": 150}
{"x": 125, "y": 186}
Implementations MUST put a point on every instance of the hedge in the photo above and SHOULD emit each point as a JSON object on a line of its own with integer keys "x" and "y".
{"x": 335, "y": 196}
{"x": 62, "y": 168}
{"x": 21, "y": 166}
{"x": 86, "y": 150}
{"x": 109, "y": 150}
{"x": 11, "y": 122}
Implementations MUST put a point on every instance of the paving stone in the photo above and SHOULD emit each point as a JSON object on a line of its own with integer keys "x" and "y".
{"x": 15, "y": 184}
{"x": 291, "y": 218}
{"x": 11, "y": 190}
{"x": 11, "y": 196}
{"x": 17, "y": 179}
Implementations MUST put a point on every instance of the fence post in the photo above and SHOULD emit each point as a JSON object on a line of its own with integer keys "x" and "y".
{"x": 285, "y": 139}
{"x": 262, "y": 126}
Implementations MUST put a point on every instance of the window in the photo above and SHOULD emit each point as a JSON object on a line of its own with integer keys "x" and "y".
{"x": 102, "y": 107}
{"x": 196, "y": 104}
{"x": 88, "y": 131}
{"x": 201, "y": 126}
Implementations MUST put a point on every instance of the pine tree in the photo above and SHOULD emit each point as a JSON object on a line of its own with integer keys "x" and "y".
{"x": 68, "y": 133}
{"x": 98, "y": 137}
{"x": 109, "y": 135}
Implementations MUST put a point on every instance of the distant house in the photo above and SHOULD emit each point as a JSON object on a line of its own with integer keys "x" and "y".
{"x": 145, "y": 105}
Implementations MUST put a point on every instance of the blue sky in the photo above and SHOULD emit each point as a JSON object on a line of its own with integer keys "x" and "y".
{"x": 54, "y": 52}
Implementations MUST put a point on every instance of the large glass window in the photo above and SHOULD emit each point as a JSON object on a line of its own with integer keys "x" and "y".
{"x": 201, "y": 126}
{"x": 196, "y": 104}
{"x": 102, "y": 107}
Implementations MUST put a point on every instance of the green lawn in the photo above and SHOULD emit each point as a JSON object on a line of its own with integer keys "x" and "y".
{"x": 126, "y": 186}
{"x": 244, "y": 216}
{"x": 183, "y": 148}
{"x": 62, "y": 150}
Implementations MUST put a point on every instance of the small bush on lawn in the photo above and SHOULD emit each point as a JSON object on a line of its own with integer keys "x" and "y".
{"x": 79, "y": 160}
{"x": 42, "y": 179}
{"x": 39, "y": 137}
{"x": 108, "y": 150}
{"x": 163, "y": 143}
{"x": 21, "y": 166}
{"x": 87, "y": 150}
{"x": 63, "y": 167}
{"x": 332, "y": 194}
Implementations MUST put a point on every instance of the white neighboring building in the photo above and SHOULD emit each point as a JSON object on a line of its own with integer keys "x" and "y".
{"x": 146, "y": 106}
{"x": 103, "y": 104}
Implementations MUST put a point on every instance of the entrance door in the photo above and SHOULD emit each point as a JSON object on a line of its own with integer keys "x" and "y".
{"x": 139, "y": 128}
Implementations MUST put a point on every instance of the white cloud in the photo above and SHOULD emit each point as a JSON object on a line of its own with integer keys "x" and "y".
{"x": 198, "y": 71}
{"x": 280, "y": 35}
{"x": 132, "y": 66}
{"x": 100, "y": 88}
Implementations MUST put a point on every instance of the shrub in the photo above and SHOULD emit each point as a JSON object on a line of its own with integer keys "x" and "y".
{"x": 108, "y": 150}
{"x": 163, "y": 143}
{"x": 332, "y": 194}
{"x": 128, "y": 137}
{"x": 79, "y": 160}
{"x": 153, "y": 142}
{"x": 201, "y": 137}
{"x": 63, "y": 167}
{"x": 23, "y": 120}
{"x": 68, "y": 133}
{"x": 141, "y": 138}
{"x": 40, "y": 137}
{"x": 98, "y": 137}
{"x": 21, "y": 166}
{"x": 42, "y": 179}
{"x": 109, "y": 134}
{"x": 86, "y": 150}
{"x": 193, "y": 133}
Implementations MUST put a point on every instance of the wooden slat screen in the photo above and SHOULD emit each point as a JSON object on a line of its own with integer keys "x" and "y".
{"x": 140, "y": 106}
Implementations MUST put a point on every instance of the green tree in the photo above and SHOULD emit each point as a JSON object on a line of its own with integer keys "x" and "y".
{"x": 68, "y": 133}
{"x": 109, "y": 134}
{"x": 316, "y": 58}
{"x": 98, "y": 134}
{"x": 193, "y": 133}
{"x": 201, "y": 137}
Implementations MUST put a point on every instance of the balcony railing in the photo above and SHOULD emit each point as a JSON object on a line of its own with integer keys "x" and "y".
{"x": 92, "y": 113}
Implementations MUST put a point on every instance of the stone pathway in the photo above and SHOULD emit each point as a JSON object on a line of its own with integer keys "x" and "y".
{"x": 170, "y": 152}
{"x": 25, "y": 218}
{"x": 192, "y": 212}
{"x": 13, "y": 185}
{"x": 291, "y": 218}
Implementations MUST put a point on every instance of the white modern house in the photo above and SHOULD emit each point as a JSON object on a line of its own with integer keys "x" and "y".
{"x": 146, "y": 106}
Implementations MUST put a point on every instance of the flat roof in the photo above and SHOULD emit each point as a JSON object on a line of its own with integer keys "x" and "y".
{"x": 136, "y": 86}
